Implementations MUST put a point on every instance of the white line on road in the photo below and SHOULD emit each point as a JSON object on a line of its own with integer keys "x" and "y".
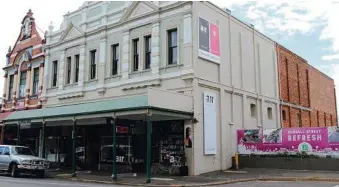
{"x": 23, "y": 181}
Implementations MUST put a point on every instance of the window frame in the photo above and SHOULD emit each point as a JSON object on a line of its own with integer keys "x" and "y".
{"x": 136, "y": 48}
{"x": 171, "y": 47}
{"x": 283, "y": 113}
{"x": 55, "y": 73}
{"x": 270, "y": 113}
{"x": 77, "y": 64}
{"x": 148, "y": 51}
{"x": 115, "y": 49}
{"x": 10, "y": 87}
{"x": 22, "y": 93}
{"x": 93, "y": 64}
{"x": 35, "y": 85}
{"x": 253, "y": 110}
{"x": 69, "y": 70}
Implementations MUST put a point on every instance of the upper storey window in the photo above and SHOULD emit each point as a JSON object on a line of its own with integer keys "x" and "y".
{"x": 26, "y": 28}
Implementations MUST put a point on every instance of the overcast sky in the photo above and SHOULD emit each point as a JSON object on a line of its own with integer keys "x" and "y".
{"x": 309, "y": 28}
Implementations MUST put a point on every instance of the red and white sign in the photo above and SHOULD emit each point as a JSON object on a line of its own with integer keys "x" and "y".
{"x": 209, "y": 41}
{"x": 121, "y": 129}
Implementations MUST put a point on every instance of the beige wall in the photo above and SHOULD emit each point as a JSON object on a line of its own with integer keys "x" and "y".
{"x": 246, "y": 74}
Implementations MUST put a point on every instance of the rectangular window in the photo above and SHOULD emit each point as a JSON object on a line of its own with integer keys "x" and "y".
{"x": 93, "y": 64}
{"x": 253, "y": 110}
{"x": 269, "y": 113}
{"x": 172, "y": 46}
{"x": 36, "y": 81}
{"x": 284, "y": 115}
{"x": 135, "y": 54}
{"x": 22, "y": 85}
{"x": 76, "y": 77}
{"x": 115, "y": 59}
{"x": 148, "y": 49}
{"x": 55, "y": 73}
{"x": 10, "y": 87}
{"x": 69, "y": 69}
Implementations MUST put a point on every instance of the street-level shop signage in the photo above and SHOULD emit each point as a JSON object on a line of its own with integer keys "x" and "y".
{"x": 209, "y": 43}
{"x": 210, "y": 124}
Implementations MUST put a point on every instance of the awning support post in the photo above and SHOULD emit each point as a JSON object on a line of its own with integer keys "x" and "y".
{"x": 114, "y": 160}
{"x": 149, "y": 147}
{"x": 43, "y": 152}
{"x": 18, "y": 134}
{"x": 74, "y": 136}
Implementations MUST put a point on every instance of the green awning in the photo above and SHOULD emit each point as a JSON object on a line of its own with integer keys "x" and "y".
{"x": 121, "y": 104}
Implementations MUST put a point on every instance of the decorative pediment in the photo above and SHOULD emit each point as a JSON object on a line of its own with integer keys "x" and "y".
{"x": 72, "y": 31}
{"x": 139, "y": 8}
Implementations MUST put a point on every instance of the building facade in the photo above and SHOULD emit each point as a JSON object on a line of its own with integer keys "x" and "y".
{"x": 307, "y": 95}
{"x": 172, "y": 78}
{"x": 23, "y": 70}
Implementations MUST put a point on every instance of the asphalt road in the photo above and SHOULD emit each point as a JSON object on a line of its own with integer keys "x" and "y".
{"x": 282, "y": 184}
{"x": 35, "y": 182}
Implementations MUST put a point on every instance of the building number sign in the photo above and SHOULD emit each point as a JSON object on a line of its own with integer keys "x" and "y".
{"x": 209, "y": 99}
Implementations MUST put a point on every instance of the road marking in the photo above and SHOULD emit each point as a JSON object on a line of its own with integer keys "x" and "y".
{"x": 59, "y": 183}
{"x": 336, "y": 186}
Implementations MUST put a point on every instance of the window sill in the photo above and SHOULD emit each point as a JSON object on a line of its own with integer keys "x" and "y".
{"x": 172, "y": 66}
{"x": 140, "y": 73}
{"x": 92, "y": 80}
{"x": 33, "y": 96}
{"x": 52, "y": 89}
{"x": 113, "y": 77}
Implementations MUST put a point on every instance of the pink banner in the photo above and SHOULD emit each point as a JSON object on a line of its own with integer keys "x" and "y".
{"x": 214, "y": 38}
{"x": 320, "y": 141}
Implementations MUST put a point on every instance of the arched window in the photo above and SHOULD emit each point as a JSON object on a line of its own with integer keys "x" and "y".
{"x": 27, "y": 27}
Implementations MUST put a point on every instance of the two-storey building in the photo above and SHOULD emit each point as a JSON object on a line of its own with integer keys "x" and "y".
{"x": 23, "y": 79}
{"x": 172, "y": 78}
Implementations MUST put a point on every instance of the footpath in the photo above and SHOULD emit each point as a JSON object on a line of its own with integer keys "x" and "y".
{"x": 208, "y": 179}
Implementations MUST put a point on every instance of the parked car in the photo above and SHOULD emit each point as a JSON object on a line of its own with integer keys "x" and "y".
{"x": 20, "y": 159}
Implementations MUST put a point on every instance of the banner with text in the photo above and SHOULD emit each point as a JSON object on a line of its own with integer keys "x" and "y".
{"x": 320, "y": 141}
{"x": 209, "y": 43}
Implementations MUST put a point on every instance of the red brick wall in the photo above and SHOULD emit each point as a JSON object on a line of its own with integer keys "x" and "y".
{"x": 303, "y": 85}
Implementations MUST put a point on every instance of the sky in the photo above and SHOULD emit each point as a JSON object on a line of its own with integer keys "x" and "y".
{"x": 308, "y": 28}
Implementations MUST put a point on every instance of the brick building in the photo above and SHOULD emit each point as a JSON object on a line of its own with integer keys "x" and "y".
{"x": 23, "y": 72}
{"x": 24, "y": 69}
{"x": 307, "y": 95}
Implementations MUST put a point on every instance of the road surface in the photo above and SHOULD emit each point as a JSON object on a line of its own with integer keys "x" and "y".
{"x": 282, "y": 184}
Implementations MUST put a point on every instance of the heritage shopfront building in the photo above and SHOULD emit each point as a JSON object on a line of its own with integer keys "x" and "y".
{"x": 23, "y": 81}
{"x": 134, "y": 71}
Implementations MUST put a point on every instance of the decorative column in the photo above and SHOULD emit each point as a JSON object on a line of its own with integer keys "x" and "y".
{"x": 15, "y": 87}
{"x": 61, "y": 71}
{"x": 126, "y": 55}
{"x": 28, "y": 84}
{"x": 41, "y": 77}
{"x": 82, "y": 56}
{"x": 5, "y": 90}
{"x": 44, "y": 72}
{"x": 155, "y": 60}
{"x": 102, "y": 60}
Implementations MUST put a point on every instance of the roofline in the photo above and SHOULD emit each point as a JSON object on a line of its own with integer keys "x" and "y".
{"x": 104, "y": 111}
{"x": 278, "y": 45}
{"x": 232, "y": 16}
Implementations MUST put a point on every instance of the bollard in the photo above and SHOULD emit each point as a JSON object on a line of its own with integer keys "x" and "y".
{"x": 236, "y": 161}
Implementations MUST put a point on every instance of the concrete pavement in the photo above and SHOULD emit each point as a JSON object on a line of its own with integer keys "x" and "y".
{"x": 34, "y": 182}
{"x": 281, "y": 184}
